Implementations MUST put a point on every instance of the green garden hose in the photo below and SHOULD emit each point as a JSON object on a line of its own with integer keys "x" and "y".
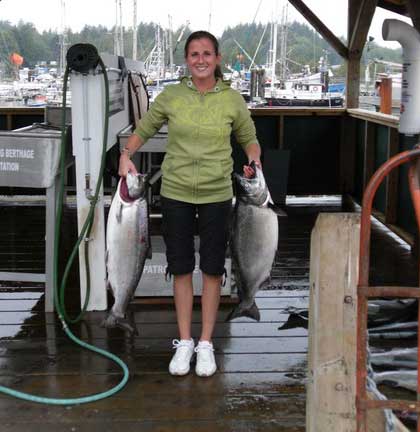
{"x": 84, "y": 233}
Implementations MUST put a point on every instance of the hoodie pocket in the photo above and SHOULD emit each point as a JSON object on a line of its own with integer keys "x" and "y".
{"x": 166, "y": 165}
{"x": 177, "y": 170}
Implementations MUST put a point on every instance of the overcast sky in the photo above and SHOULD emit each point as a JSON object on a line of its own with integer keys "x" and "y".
{"x": 219, "y": 14}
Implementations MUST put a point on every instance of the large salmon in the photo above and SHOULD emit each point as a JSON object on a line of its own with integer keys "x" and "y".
{"x": 127, "y": 245}
{"x": 253, "y": 241}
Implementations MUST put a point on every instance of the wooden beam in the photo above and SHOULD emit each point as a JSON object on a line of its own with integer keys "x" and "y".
{"x": 353, "y": 82}
{"x": 361, "y": 25}
{"x": 9, "y": 121}
{"x": 347, "y": 154}
{"x": 296, "y": 111}
{"x": 413, "y": 7}
{"x": 331, "y": 384}
{"x": 330, "y": 394}
{"x": 353, "y": 61}
{"x": 369, "y": 153}
{"x": 281, "y": 132}
{"x": 375, "y": 117}
{"x": 325, "y": 32}
{"x": 392, "y": 179}
{"x": 385, "y": 93}
{"x": 399, "y": 9}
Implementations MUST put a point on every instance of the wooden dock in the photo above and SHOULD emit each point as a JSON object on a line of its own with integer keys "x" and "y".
{"x": 260, "y": 384}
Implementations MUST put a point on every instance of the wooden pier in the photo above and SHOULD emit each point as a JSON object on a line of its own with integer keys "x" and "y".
{"x": 260, "y": 384}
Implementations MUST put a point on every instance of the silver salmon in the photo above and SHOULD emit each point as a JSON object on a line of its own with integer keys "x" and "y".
{"x": 253, "y": 242}
{"x": 127, "y": 245}
{"x": 401, "y": 378}
{"x": 403, "y": 357}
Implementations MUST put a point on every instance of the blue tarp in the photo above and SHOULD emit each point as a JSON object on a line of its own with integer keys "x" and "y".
{"x": 337, "y": 88}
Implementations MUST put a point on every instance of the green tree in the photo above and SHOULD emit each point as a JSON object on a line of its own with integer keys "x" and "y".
{"x": 304, "y": 45}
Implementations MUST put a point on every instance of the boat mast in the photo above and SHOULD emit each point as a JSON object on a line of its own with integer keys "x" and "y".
{"x": 171, "y": 54}
{"x": 134, "y": 29}
{"x": 121, "y": 32}
{"x": 116, "y": 38}
{"x": 155, "y": 61}
{"x": 118, "y": 31}
{"x": 283, "y": 44}
{"x": 274, "y": 53}
{"x": 63, "y": 39}
{"x": 187, "y": 23}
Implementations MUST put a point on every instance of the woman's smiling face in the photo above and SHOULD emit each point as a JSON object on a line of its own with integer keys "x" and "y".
{"x": 202, "y": 59}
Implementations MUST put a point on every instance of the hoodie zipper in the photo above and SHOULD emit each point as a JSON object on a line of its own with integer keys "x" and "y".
{"x": 196, "y": 162}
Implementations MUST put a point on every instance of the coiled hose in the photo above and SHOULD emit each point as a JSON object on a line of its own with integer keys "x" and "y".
{"x": 59, "y": 294}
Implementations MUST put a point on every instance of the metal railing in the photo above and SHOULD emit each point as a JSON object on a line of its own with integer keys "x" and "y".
{"x": 364, "y": 291}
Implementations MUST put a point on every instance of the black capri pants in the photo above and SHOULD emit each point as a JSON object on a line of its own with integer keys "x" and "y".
{"x": 179, "y": 223}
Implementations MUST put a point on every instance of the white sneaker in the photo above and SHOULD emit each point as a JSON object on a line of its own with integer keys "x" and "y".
{"x": 206, "y": 363}
{"x": 180, "y": 363}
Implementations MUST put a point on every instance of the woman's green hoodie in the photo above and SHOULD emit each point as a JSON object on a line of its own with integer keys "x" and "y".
{"x": 198, "y": 164}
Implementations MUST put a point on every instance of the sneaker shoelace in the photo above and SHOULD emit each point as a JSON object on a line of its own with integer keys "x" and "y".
{"x": 180, "y": 343}
{"x": 206, "y": 349}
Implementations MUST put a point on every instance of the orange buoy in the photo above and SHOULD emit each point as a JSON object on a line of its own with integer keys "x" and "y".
{"x": 16, "y": 59}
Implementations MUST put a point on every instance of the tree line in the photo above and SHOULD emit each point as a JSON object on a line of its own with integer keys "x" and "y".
{"x": 239, "y": 44}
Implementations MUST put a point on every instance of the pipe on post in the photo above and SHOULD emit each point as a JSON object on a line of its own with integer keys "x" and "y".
{"x": 409, "y": 38}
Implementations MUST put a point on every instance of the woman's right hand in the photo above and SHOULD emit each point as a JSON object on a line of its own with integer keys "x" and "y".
{"x": 126, "y": 165}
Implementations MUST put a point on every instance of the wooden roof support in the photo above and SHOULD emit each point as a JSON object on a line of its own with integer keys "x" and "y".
{"x": 393, "y": 7}
{"x": 353, "y": 63}
{"x": 359, "y": 30}
{"x": 413, "y": 7}
{"x": 327, "y": 34}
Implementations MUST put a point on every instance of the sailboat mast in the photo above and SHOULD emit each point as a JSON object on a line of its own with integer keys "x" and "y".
{"x": 159, "y": 55}
{"x": 283, "y": 44}
{"x": 134, "y": 29}
{"x": 274, "y": 55}
{"x": 121, "y": 44}
{"x": 116, "y": 38}
{"x": 171, "y": 53}
{"x": 63, "y": 38}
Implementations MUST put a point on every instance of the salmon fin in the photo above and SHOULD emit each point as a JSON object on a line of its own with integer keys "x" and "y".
{"x": 111, "y": 321}
{"x": 149, "y": 252}
{"x": 239, "y": 311}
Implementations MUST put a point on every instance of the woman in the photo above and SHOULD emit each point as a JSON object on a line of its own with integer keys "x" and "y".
{"x": 201, "y": 112}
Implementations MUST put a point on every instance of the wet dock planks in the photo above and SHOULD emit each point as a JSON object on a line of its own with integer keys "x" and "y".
{"x": 259, "y": 384}
{"x": 262, "y": 367}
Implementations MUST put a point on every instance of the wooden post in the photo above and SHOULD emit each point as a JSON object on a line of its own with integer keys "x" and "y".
{"x": 392, "y": 179}
{"x": 9, "y": 121}
{"x": 332, "y": 323}
{"x": 330, "y": 401}
{"x": 385, "y": 92}
{"x": 281, "y": 132}
{"x": 347, "y": 154}
{"x": 353, "y": 82}
{"x": 369, "y": 152}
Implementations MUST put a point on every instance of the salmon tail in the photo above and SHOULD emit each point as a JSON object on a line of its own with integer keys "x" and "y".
{"x": 149, "y": 253}
{"x": 125, "y": 324}
{"x": 242, "y": 311}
